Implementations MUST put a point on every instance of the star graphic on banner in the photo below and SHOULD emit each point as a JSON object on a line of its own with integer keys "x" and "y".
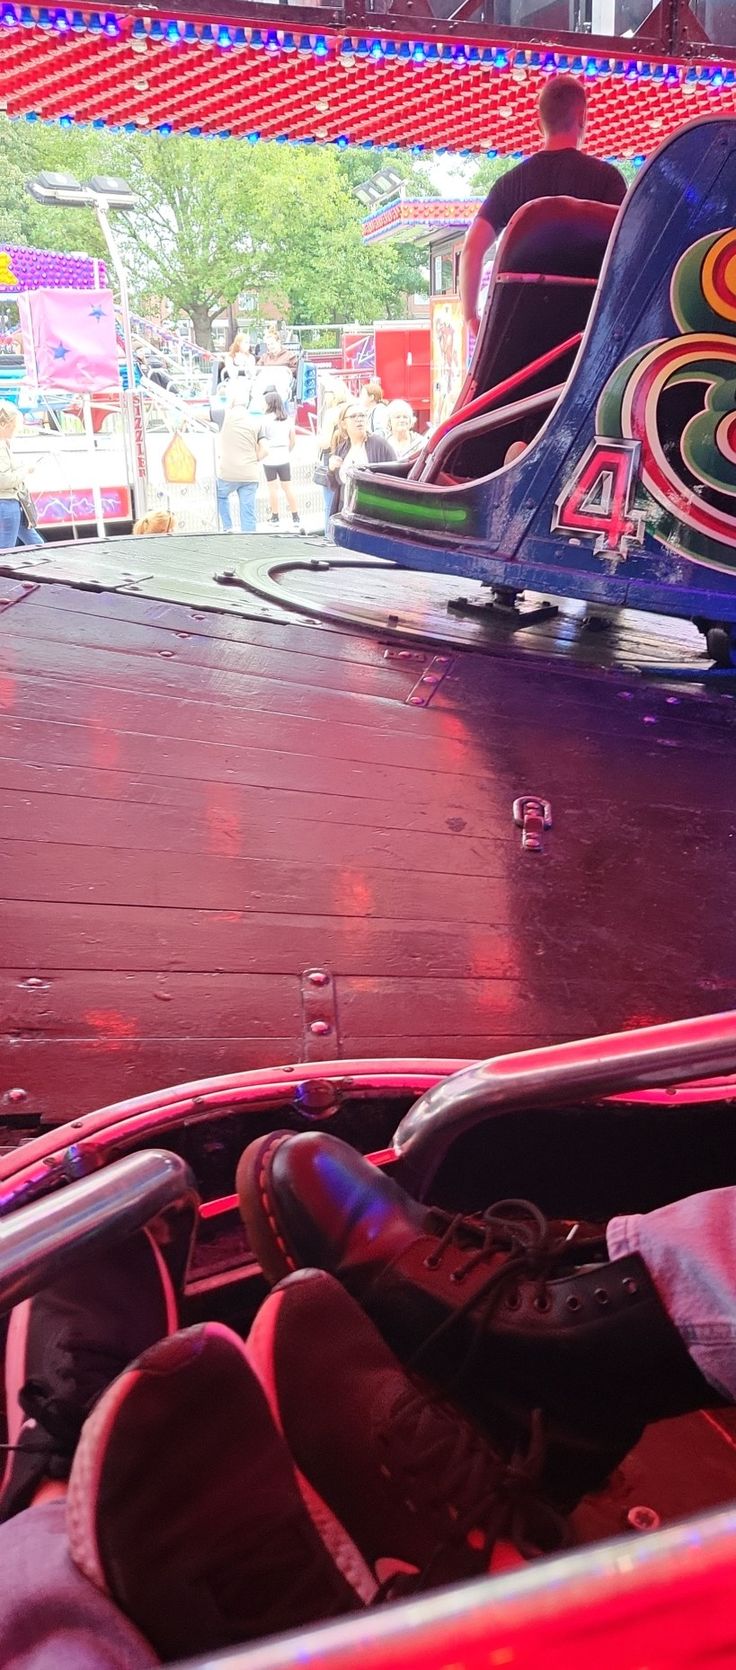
{"x": 97, "y": 313}
{"x": 61, "y": 352}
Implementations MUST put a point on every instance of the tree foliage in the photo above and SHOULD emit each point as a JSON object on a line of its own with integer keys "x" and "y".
{"x": 219, "y": 218}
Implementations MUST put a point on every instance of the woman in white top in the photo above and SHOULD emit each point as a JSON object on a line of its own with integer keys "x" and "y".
{"x": 279, "y": 434}
{"x": 400, "y": 429}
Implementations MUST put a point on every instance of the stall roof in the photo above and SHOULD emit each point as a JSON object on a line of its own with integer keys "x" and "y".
{"x": 418, "y": 220}
{"x": 133, "y": 71}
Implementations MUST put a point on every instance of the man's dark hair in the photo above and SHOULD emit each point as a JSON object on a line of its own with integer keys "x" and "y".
{"x": 561, "y": 103}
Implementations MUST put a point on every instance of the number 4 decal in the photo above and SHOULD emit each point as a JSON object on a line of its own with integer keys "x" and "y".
{"x": 598, "y": 498}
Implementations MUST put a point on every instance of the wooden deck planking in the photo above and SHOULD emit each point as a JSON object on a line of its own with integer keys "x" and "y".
{"x": 182, "y": 834}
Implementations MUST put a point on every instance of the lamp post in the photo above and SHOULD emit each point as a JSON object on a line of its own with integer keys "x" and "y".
{"x": 103, "y": 193}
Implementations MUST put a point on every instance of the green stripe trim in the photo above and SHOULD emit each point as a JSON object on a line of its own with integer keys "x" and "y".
{"x": 408, "y": 509}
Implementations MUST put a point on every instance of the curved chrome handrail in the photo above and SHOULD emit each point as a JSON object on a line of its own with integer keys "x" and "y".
{"x": 40, "y": 1242}
{"x": 665, "y": 1598}
{"x": 653, "y": 1055}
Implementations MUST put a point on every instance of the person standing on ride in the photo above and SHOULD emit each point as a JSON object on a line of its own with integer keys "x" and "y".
{"x": 240, "y": 447}
{"x": 560, "y": 169}
{"x": 279, "y": 435}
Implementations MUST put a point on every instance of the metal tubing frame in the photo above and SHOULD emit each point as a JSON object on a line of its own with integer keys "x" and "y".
{"x": 129, "y": 398}
{"x": 508, "y": 385}
{"x": 40, "y": 1242}
{"x": 579, "y": 1071}
{"x": 665, "y": 1599}
{"x": 484, "y": 424}
{"x": 84, "y": 1145}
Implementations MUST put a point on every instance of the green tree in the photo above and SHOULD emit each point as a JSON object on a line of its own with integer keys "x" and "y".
{"x": 220, "y": 218}
{"x": 189, "y": 239}
{"x": 487, "y": 172}
{"x": 25, "y": 149}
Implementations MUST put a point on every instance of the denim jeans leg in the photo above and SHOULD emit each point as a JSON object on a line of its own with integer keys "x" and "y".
{"x": 30, "y": 536}
{"x": 689, "y": 1249}
{"x": 224, "y": 489}
{"x": 9, "y": 523}
{"x": 247, "y": 497}
{"x": 328, "y": 499}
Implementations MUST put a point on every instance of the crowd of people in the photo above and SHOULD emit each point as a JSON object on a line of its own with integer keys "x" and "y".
{"x": 258, "y": 430}
{"x": 359, "y": 430}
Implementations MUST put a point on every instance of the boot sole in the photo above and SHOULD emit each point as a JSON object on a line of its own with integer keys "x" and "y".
{"x": 258, "y": 1209}
{"x": 196, "y": 1410}
{"x": 259, "y": 1350}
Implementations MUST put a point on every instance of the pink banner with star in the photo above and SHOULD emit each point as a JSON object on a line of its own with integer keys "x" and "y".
{"x": 69, "y": 340}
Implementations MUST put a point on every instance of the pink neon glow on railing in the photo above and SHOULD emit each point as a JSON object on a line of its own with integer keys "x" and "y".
{"x": 483, "y": 402}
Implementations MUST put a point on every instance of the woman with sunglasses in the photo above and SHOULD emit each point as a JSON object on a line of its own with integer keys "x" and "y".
{"x": 358, "y": 449}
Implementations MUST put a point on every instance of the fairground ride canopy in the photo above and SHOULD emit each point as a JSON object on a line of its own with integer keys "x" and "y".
{"x": 465, "y": 82}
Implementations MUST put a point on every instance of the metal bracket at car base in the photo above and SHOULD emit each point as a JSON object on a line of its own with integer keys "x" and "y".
{"x": 319, "y": 1015}
{"x": 532, "y": 816}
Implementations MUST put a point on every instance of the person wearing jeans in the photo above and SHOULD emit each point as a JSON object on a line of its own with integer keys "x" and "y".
{"x": 56, "y": 1614}
{"x": 246, "y": 491}
{"x": 12, "y": 486}
{"x": 240, "y": 448}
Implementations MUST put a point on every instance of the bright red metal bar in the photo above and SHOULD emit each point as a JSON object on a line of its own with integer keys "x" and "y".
{"x": 499, "y": 392}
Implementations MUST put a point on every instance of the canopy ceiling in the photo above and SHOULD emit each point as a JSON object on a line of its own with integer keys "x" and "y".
{"x": 135, "y": 71}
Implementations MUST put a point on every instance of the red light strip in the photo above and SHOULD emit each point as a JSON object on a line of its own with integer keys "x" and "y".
{"x": 132, "y": 79}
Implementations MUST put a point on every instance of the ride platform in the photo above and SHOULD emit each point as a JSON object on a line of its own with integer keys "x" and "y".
{"x": 227, "y": 762}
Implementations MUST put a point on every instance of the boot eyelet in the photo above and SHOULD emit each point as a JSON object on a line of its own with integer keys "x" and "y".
{"x": 573, "y": 1302}
{"x": 457, "y": 1276}
{"x": 542, "y": 1303}
{"x": 513, "y": 1301}
{"x": 629, "y": 1285}
{"x": 601, "y": 1296}
{"x": 431, "y": 1263}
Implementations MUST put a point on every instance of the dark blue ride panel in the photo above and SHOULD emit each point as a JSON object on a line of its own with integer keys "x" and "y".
{"x": 627, "y": 494}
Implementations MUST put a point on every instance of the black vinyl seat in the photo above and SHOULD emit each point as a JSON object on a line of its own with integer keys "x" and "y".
{"x": 542, "y": 288}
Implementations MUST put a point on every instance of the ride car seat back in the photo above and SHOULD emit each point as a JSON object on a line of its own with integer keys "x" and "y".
{"x": 544, "y": 279}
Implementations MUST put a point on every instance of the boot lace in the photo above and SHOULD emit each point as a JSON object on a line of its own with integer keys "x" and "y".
{"x": 456, "y": 1478}
{"x": 514, "y": 1227}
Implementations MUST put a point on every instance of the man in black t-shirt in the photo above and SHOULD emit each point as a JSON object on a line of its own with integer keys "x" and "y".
{"x": 560, "y": 169}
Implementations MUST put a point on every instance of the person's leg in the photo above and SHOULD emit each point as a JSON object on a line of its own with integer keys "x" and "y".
{"x": 247, "y": 499}
{"x": 63, "y": 1349}
{"x": 9, "y": 523}
{"x": 273, "y": 493}
{"x": 28, "y": 535}
{"x": 290, "y": 495}
{"x": 51, "y": 1617}
{"x": 224, "y": 489}
{"x": 328, "y": 497}
{"x": 689, "y": 1249}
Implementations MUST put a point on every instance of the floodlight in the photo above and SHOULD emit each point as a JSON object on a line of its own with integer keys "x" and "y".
{"x": 116, "y": 192}
{"x": 64, "y": 191}
{"x": 60, "y": 189}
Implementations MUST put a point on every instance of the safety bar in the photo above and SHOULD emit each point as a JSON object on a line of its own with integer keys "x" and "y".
{"x": 499, "y": 391}
{"x": 665, "y": 1598}
{"x": 39, "y": 1243}
{"x": 639, "y": 1060}
{"x": 485, "y": 423}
